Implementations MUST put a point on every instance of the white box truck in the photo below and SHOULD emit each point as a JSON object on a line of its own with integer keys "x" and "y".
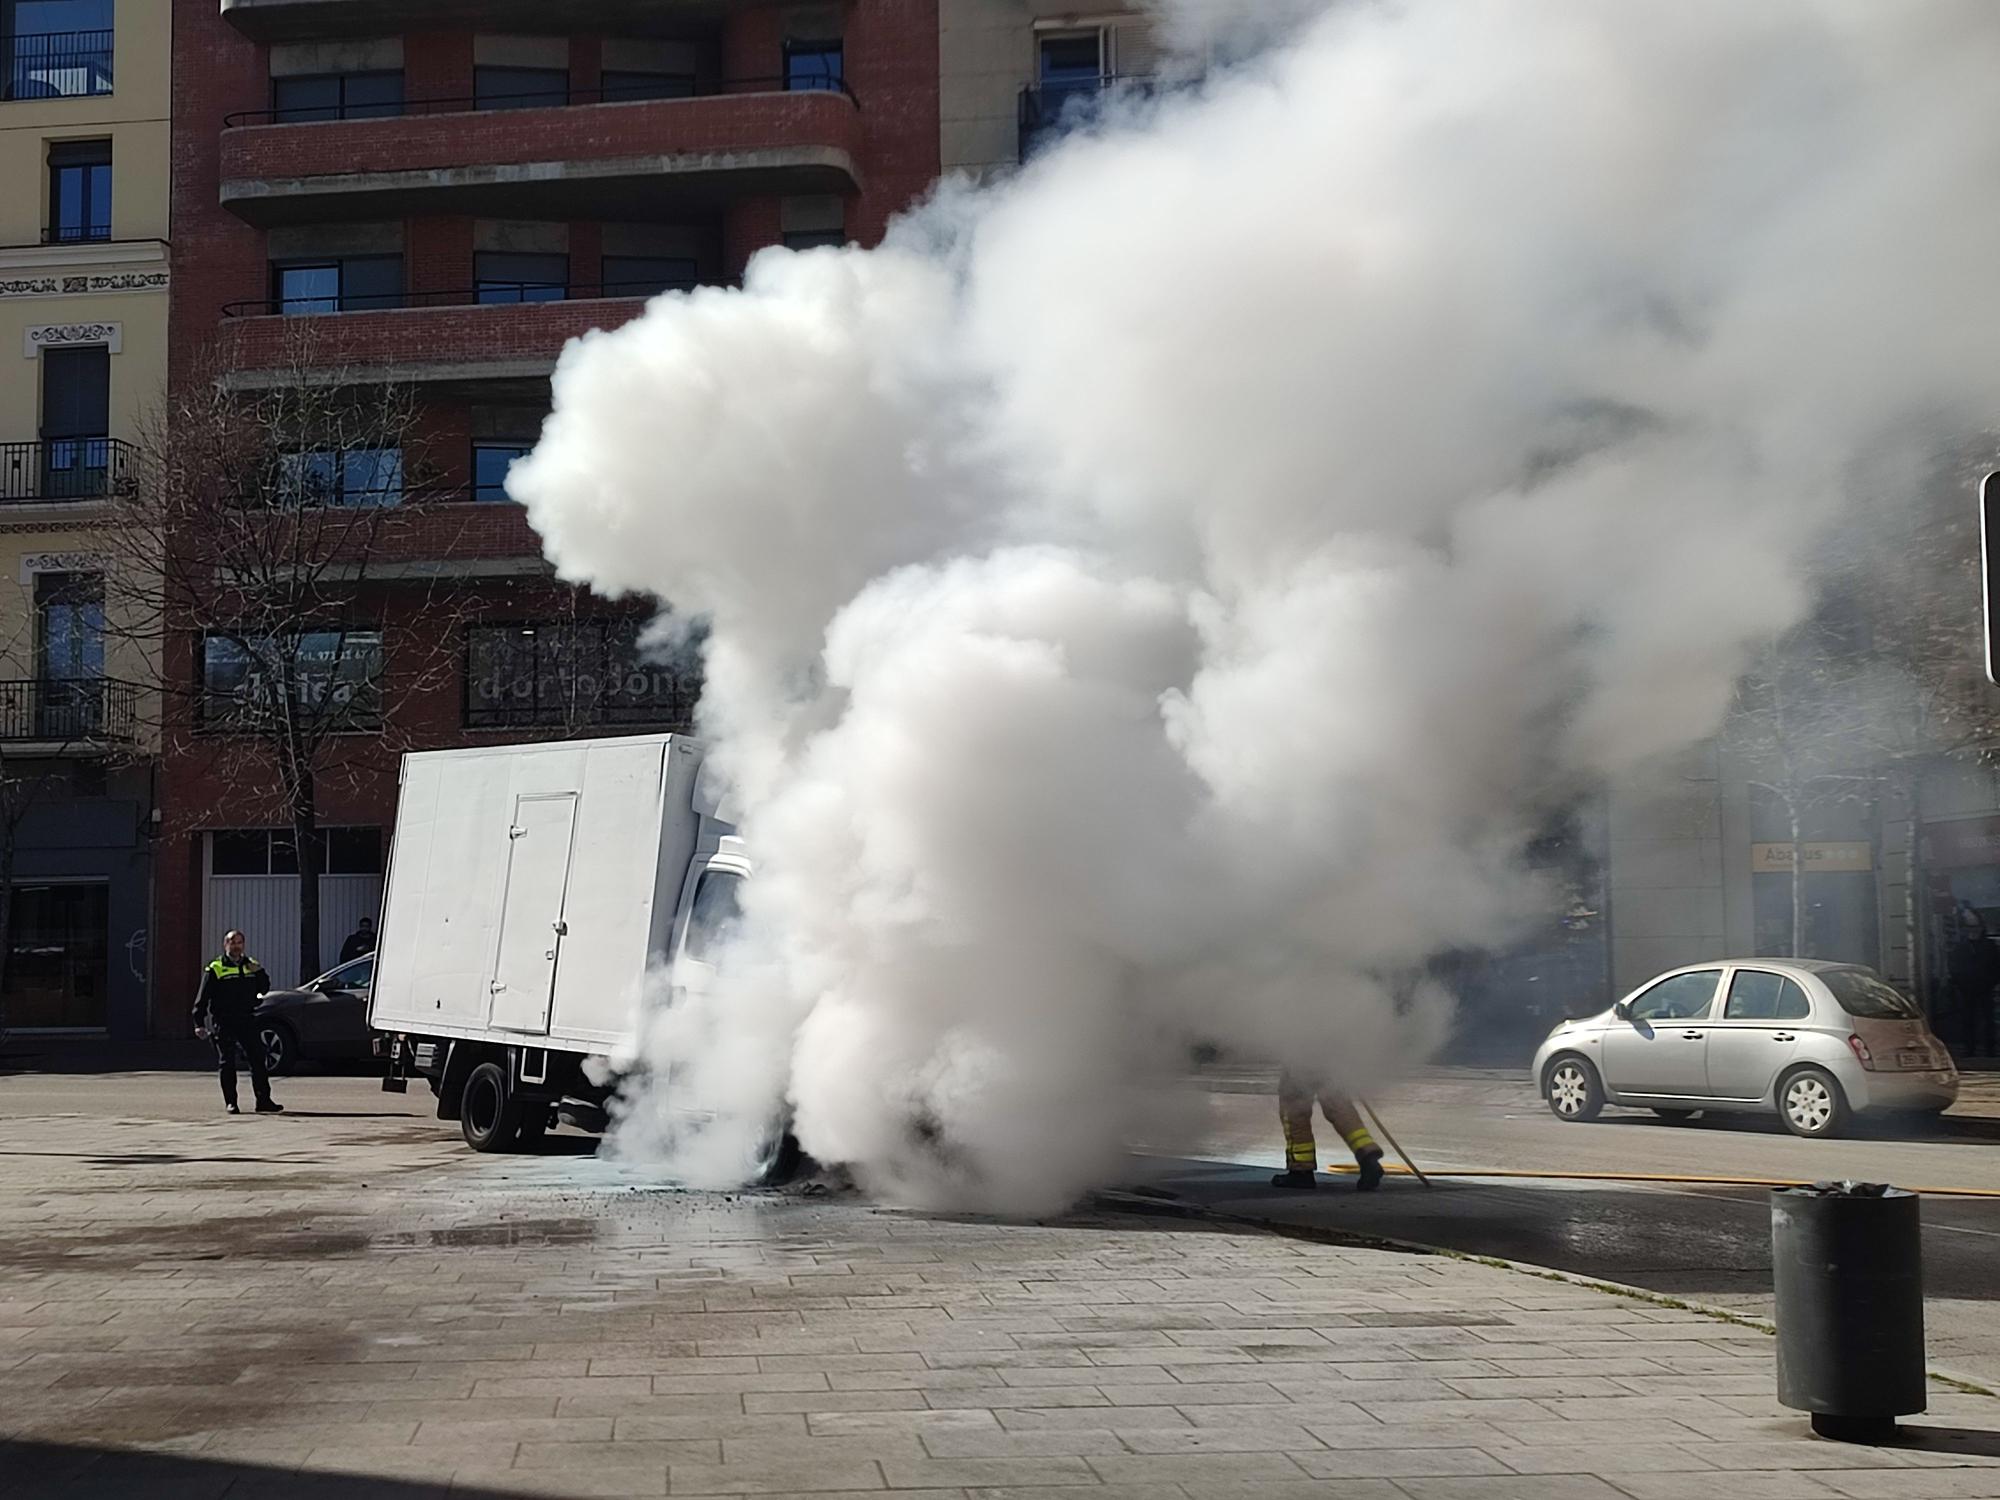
{"x": 531, "y": 889}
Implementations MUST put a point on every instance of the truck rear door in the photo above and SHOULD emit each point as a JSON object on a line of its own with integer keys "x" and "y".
{"x": 531, "y": 919}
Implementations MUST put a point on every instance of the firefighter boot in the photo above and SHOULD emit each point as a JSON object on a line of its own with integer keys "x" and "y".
{"x": 1369, "y": 1159}
{"x": 1295, "y": 1181}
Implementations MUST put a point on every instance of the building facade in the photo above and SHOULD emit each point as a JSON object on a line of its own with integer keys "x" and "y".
{"x": 1012, "y": 73}
{"x": 84, "y": 138}
{"x": 437, "y": 195}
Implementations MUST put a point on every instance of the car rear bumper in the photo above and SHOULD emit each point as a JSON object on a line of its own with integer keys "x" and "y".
{"x": 1915, "y": 1091}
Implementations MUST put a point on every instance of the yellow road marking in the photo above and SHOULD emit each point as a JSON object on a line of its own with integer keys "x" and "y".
{"x": 1665, "y": 1177}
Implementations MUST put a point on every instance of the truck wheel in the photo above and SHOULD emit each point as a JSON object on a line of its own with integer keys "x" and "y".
{"x": 489, "y": 1115}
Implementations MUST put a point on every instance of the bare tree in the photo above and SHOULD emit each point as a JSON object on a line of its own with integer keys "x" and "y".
{"x": 1883, "y": 682}
{"x": 270, "y": 547}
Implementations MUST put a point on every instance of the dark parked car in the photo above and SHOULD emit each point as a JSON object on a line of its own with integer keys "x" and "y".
{"x": 320, "y": 1021}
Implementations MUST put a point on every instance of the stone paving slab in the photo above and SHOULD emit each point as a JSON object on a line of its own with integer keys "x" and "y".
{"x": 358, "y": 1307}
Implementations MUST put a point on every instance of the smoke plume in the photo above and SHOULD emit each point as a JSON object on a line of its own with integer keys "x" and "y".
{"x": 1154, "y": 598}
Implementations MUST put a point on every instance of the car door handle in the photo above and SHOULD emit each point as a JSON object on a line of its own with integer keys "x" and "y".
{"x": 1692, "y": 1036}
{"x": 1783, "y": 1036}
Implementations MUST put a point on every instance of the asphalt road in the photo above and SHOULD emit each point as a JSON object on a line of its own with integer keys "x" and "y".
{"x": 1695, "y": 1237}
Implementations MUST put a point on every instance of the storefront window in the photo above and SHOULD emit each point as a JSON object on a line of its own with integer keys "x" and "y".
{"x": 582, "y": 673}
{"x": 58, "y": 964}
{"x": 337, "y": 673}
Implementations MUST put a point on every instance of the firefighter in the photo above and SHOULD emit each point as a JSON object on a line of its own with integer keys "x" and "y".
{"x": 225, "y": 1011}
{"x": 1297, "y": 1094}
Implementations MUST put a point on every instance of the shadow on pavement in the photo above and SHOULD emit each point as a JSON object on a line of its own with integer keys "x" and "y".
{"x": 31, "y": 1470}
{"x": 1961, "y": 1442}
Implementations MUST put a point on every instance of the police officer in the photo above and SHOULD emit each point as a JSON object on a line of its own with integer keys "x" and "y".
{"x": 225, "y": 1010}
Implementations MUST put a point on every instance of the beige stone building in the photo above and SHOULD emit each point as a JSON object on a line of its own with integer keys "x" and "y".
{"x": 1011, "y": 71}
{"x": 84, "y": 155}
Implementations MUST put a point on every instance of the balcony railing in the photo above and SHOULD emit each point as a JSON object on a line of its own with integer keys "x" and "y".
{"x": 57, "y": 65}
{"x": 486, "y": 294}
{"x": 536, "y": 98}
{"x": 1051, "y": 109}
{"x": 78, "y": 468}
{"x": 64, "y": 710}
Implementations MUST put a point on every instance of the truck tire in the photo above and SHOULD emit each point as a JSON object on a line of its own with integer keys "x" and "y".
{"x": 489, "y": 1114}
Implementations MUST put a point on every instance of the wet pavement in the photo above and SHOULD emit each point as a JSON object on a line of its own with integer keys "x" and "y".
{"x": 343, "y": 1301}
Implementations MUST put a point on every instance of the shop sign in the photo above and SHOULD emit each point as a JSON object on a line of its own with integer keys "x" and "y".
{"x": 1819, "y": 859}
{"x": 1963, "y": 841}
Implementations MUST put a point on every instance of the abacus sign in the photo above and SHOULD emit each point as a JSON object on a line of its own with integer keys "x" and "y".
{"x": 1989, "y": 562}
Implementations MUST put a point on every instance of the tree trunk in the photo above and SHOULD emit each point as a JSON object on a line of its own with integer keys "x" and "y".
{"x": 1915, "y": 929}
{"x": 306, "y": 836}
{"x": 1798, "y": 883}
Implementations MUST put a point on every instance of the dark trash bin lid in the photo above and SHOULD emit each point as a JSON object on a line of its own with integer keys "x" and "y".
{"x": 1845, "y": 1189}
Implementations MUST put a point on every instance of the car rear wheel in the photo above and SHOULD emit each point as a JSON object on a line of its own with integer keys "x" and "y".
{"x": 1811, "y": 1104}
{"x": 1574, "y": 1092}
{"x": 488, "y": 1114}
{"x": 279, "y": 1046}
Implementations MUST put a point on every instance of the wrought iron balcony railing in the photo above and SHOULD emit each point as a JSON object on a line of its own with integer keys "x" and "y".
{"x": 68, "y": 710}
{"x": 77, "y": 468}
{"x": 1053, "y": 108}
{"x": 57, "y": 64}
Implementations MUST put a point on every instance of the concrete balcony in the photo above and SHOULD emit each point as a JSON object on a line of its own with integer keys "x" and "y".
{"x": 307, "y": 20}
{"x": 484, "y": 351}
{"x": 656, "y": 158}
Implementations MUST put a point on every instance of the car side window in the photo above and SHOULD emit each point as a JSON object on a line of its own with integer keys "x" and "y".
{"x": 355, "y": 976}
{"x": 1683, "y": 997}
{"x": 1759, "y": 995}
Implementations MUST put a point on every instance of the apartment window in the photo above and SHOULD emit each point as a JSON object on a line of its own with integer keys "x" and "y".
{"x": 1070, "y": 60}
{"x": 274, "y": 851}
{"x": 812, "y": 239}
{"x": 513, "y": 276}
{"x": 79, "y": 191}
{"x": 337, "y": 96}
{"x": 57, "y": 49}
{"x": 585, "y": 672}
{"x": 76, "y": 416}
{"x": 490, "y": 463}
{"x": 626, "y": 84}
{"x": 69, "y": 626}
{"x": 519, "y": 88}
{"x": 352, "y": 477}
{"x": 648, "y": 275}
{"x": 813, "y": 65}
{"x": 331, "y": 673}
{"x": 350, "y": 283}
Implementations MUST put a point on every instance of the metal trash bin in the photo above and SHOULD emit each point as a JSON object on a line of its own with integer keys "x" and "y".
{"x": 1847, "y": 1263}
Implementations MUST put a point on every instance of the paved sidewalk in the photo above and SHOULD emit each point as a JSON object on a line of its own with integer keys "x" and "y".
{"x": 347, "y": 1307}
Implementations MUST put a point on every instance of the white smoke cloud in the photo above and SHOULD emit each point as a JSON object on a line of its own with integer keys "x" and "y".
{"x": 1157, "y": 596}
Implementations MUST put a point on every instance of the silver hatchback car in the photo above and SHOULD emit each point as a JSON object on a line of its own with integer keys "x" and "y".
{"x": 1815, "y": 1041}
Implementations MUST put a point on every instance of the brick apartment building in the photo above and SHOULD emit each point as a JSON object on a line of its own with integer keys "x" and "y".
{"x": 443, "y": 192}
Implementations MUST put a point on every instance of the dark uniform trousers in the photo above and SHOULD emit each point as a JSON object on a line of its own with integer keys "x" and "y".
{"x": 229, "y": 1033}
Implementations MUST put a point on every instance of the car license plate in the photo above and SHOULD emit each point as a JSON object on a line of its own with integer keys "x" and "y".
{"x": 1915, "y": 1060}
